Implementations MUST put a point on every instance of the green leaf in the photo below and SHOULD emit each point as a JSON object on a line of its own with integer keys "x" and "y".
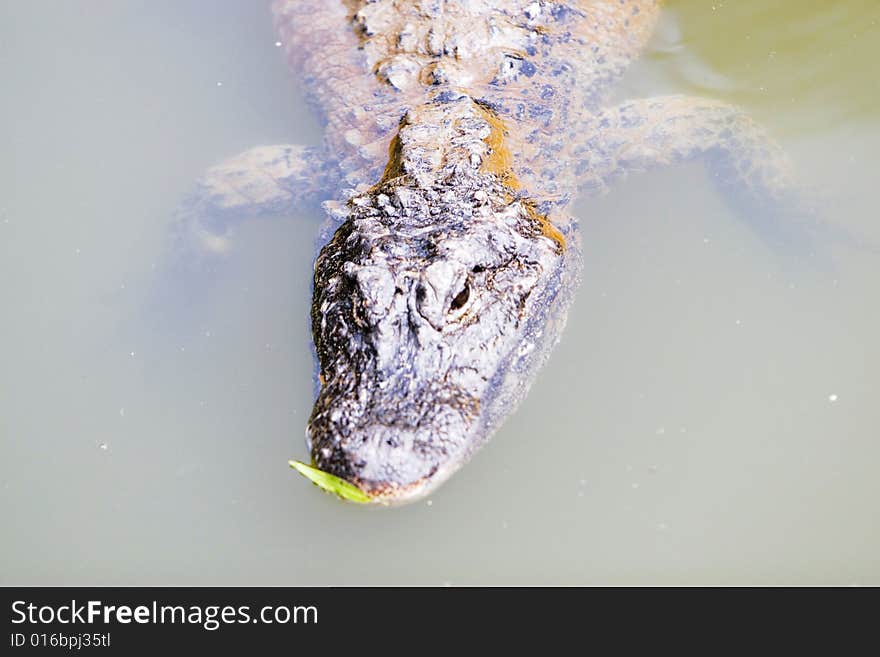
{"x": 331, "y": 483}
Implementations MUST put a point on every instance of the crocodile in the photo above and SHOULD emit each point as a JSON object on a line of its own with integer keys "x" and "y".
{"x": 458, "y": 133}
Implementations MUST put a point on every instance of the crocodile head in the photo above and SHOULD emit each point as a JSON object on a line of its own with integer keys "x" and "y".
{"x": 430, "y": 312}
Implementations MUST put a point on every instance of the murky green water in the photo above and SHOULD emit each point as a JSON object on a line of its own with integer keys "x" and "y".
{"x": 710, "y": 416}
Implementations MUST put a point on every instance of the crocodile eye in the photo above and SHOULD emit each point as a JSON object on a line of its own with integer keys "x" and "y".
{"x": 460, "y": 298}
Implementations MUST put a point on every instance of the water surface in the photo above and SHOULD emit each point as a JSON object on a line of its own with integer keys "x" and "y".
{"x": 710, "y": 416}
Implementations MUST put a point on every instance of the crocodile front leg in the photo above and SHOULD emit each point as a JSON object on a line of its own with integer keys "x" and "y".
{"x": 265, "y": 180}
{"x": 747, "y": 164}
{"x": 641, "y": 134}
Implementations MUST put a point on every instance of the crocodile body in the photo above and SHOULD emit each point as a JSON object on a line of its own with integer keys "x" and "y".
{"x": 457, "y": 134}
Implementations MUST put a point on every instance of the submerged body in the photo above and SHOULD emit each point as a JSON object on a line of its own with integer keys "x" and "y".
{"x": 458, "y": 133}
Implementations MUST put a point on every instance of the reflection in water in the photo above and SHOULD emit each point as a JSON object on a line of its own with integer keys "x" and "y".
{"x": 708, "y": 417}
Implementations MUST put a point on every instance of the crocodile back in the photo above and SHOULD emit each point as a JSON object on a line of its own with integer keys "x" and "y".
{"x": 542, "y": 65}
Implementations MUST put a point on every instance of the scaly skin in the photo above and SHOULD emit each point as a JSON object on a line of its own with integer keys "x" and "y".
{"x": 457, "y": 134}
